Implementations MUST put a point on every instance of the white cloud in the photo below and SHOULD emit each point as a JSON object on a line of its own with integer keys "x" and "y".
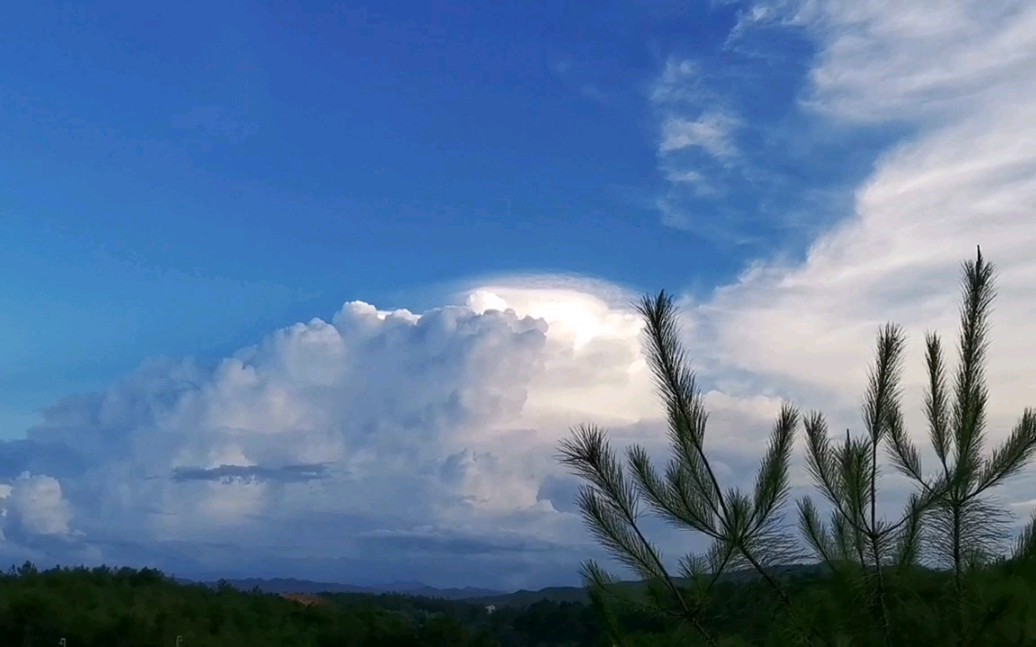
{"x": 678, "y": 84}
{"x": 691, "y": 116}
{"x": 592, "y": 361}
{"x": 374, "y": 422}
{"x": 962, "y": 181}
{"x": 374, "y": 439}
{"x": 697, "y": 140}
{"x": 882, "y": 60}
{"x": 712, "y": 132}
{"x": 955, "y": 71}
{"x": 33, "y": 505}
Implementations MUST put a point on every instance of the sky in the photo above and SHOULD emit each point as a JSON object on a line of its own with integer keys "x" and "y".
{"x": 315, "y": 291}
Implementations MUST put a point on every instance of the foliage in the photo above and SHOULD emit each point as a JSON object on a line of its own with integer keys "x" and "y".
{"x": 143, "y": 608}
{"x": 103, "y": 606}
{"x": 876, "y": 589}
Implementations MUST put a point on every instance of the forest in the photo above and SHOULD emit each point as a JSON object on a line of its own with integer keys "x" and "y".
{"x": 128, "y": 607}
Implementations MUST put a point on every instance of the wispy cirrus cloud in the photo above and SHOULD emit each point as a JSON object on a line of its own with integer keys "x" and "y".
{"x": 697, "y": 137}
{"x": 698, "y": 147}
{"x": 569, "y": 72}
{"x": 712, "y": 132}
{"x": 961, "y": 175}
{"x": 744, "y": 162}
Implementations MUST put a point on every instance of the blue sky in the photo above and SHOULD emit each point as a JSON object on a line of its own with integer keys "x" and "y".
{"x": 181, "y": 180}
{"x": 186, "y": 180}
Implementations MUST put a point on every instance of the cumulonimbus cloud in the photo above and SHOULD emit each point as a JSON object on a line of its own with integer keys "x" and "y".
{"x": 372, "y": 423}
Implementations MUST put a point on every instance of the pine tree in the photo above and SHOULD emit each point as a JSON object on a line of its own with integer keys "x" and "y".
{"x": 744, "y": 529}
{"x": 876, "y": 581}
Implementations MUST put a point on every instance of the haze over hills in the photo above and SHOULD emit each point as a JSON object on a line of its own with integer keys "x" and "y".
{"x": 310, "y": 587}
{"x": 478, "y": 595}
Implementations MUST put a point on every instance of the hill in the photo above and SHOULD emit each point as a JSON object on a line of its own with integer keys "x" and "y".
{"x": 578, "y": 594}
{"x": 310, "y": 587}
{"x": 125, "y": 607}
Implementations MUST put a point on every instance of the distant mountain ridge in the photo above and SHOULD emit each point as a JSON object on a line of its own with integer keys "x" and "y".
{"x": 469, "y": 593}
{"x": 579, "y": 594}
{"x": 282, "y": 585}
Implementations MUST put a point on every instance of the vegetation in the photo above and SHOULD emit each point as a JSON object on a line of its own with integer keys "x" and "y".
{"x": 880, "y": 586}
{"x": 143, "y": 608}
{"x": 106, "y": 607}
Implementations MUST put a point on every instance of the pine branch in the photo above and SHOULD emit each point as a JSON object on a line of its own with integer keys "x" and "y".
{"x": 959, "y": 528}
{"x": 902, "y": 451}
{"x": 605, "y": 593}
{"x": 820, "y": 459}
{"x": 847, "y": 539}
{"x": 773, "y": 544}
{"x": 908, "y": 539}
{"x": 1025, "y": 545}
{"x": 672, "y": 499}
{"x": 676, "y": 383}
{"x": 771, "y": 485}
{"x": 685, "y": 486}
{"x": 840, "y": 474}
{"x": 588, "y": 455}
{"x": 853, "y": 481}
{"x": 883, "y": 388}
{"x": 935, "y": 401}
{"x": 881, "y": 410}
{"x": 970, "y": 406}
{"x": 616, "y": 533}
{"x": 841, "y": 483}
{"x": 598, "y": 586}
{"x": 1010, "y": 457}
{"x": 704, "y": 571}
{"x": 609, "y": 508}
{"x": 603, "y": 587}
{"x": 816, "y": 533}
{"x": 736, "y": 524}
